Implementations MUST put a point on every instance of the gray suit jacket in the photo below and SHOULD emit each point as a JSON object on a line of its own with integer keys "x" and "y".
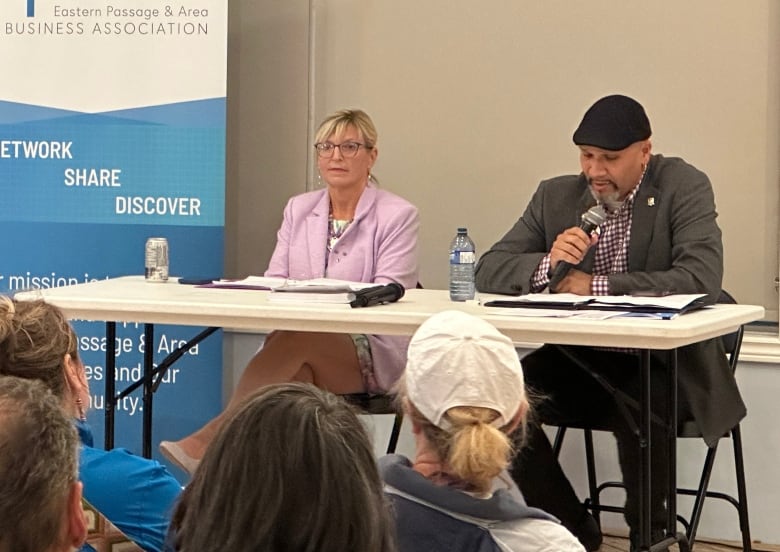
{"x": 675, "y": 245}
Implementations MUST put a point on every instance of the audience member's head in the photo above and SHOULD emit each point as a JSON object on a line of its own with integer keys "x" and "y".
{"x": 40, "y": 496}
{"x": 37, "y": 342}
{"x": 292, "y": 469}
{"x": 463, "y": 390}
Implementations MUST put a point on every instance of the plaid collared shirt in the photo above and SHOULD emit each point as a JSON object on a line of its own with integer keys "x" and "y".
{"x": 612, "y": 247}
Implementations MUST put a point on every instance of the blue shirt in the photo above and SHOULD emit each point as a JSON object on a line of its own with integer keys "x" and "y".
{"x": 136, "y": 494}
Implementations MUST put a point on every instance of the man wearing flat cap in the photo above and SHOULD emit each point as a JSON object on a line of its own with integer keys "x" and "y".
{"x": 658, "y": 232}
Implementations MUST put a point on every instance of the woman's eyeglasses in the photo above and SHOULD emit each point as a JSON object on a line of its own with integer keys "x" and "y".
{"x": 347, "y": 149}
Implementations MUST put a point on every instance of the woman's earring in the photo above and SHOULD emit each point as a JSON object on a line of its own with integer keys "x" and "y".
{"x": 80, "y": 408}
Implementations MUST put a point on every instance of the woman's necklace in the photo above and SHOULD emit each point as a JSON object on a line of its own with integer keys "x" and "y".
{"x": 336, "y": 228}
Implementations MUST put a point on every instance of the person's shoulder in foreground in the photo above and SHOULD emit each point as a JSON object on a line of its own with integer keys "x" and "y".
{"x": 432, "y": 518}
{"x": 147, "y": 489}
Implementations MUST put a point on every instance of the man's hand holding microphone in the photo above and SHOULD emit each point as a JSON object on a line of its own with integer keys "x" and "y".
{"x": 568, "y": 250}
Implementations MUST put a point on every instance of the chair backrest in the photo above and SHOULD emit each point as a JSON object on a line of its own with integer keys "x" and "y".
{"x": 372, "y": 404}
{"x": 732, "y": 342}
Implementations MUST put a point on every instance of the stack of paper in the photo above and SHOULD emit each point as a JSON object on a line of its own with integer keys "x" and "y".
{"x": 666, "y": 307}
{"x": 317, "y": 290}
{"x": 250, "y": 282}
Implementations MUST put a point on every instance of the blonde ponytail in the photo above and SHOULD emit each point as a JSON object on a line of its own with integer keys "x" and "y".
{"x": 478, "y": 451}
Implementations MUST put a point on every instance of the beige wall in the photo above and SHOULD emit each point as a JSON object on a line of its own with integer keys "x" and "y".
{"x": 476, "y": 102}
{"x": 267, "y": 125}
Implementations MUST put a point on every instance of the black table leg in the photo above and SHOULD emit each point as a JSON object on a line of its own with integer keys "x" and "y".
{"x": 150, "y": 385}
{"x": 110, "y": 392}
{"x": 645, "y": 482}
{"x": 671, "y": 436}
{"x": 148, "y": 394}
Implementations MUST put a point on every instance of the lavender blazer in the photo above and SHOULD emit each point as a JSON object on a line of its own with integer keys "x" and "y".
{"x": 379, "y": 246}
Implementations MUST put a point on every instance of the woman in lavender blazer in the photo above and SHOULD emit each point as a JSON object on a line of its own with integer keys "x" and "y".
{"x": 351, "y": 230}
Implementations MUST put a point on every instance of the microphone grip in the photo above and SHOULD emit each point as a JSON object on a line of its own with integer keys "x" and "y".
{"x": 361, "y": 301}
{"x": 562, "y": 268}
{"x": 558, "y": 274}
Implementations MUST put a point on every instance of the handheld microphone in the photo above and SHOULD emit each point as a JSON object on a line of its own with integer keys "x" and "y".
{"x": 377, "y": 295}
{"x": 591, "y": 219}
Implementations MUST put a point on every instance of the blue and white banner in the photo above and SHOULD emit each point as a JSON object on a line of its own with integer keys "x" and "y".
{"x": 112, "y": 130}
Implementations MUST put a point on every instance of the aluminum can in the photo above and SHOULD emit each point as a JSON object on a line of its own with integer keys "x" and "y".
{"x": 156, "y": 260}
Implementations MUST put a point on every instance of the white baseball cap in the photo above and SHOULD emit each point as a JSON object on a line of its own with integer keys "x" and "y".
{"x": 456, "y": 359}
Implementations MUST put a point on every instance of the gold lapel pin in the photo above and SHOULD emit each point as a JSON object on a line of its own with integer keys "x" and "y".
{"x": 650, "y": 201}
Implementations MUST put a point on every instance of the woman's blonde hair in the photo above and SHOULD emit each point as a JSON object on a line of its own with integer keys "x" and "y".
{"x": 338, "y": 122}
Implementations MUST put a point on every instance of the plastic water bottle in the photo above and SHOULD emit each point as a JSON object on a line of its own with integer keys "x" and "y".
{"x": 463, "y": 259}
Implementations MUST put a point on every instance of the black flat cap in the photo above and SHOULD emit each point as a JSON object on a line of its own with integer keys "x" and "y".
{"x": 613, "y": 123}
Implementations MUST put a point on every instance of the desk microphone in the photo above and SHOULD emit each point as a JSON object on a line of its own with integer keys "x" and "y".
{"x": 591, "y": 219}
{"x": 377, "y": 295}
